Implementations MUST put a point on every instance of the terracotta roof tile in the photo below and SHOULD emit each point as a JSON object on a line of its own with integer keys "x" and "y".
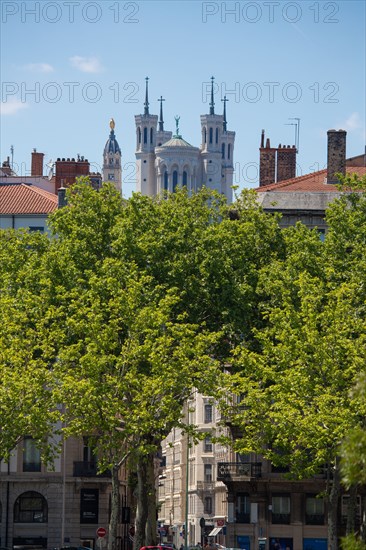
{"x": 26, "y": 199}
{"x": 316, "y": 182}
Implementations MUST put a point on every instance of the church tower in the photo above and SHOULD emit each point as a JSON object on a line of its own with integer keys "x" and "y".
{"x": 146, "y": 126}
{"x": 217, "y": 150}
{"x": 112, "y": 170}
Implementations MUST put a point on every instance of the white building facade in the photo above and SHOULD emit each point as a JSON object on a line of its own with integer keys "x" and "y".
{"x": 165, "y": 161}
{"x": 187, "y": 482}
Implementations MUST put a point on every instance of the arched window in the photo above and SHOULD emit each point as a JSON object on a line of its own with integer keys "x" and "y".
{"x": 223, "y": 150}
{"x": 175, "y": 180}
{"x": 145, "y": 135}
{"x": 205, "y": 135}
{"x": 166, "y": 180}
{"x": 139, "y": 134}
{"x": 217, "y": 135}
{"x": 151, "y": 135}
{"x": 30, "y": 507}
{"x": 228, "y": 151}
{"x": 211, "y": 135}
{"x": 185, "y": 178}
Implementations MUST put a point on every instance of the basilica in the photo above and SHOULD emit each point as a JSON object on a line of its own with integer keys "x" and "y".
{"x": 165, "y": 161}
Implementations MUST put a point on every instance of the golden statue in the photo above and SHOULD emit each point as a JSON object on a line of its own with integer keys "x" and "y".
{"x": 112, "y": 124}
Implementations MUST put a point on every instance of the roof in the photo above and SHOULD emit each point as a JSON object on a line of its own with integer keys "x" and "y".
{"x": 314, "y": 182}
{"x": 26, "y": 199}
{"x": 112, "y": 144}
{"x": 177, "y": 142}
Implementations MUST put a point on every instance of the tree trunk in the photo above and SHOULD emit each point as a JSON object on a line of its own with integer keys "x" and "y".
{"x": 115, "y": 509}
{"x": 333, "y": 508}
{"x": 351, "y": 510}
{"x": 363, "y": 521}
{"x": 151, "y": 528}
{"x": 142, "y": 503}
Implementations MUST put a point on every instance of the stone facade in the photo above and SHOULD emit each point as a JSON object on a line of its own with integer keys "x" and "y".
{"x": 48, "y": 508}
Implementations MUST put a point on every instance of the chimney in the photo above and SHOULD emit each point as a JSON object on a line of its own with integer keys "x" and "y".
{"x": 336, "y": 154}
{"x": 37, "y": 164}
{"x": 267, "y": 163}
{"x": 61, "y": 193}
{"x": 286, "y": 162}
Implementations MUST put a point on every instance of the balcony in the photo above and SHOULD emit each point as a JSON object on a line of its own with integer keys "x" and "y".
{"x": 204, "y": 486}
{"x": 88, "y": 469}
{"x": 238, "y": 471}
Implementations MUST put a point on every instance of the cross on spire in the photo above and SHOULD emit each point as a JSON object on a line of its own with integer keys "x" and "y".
{"x": 146, "y": 104}
{"x": 225, "y": 121}
{"x": 212, "y": 104}
{"x": 161, "y": 121}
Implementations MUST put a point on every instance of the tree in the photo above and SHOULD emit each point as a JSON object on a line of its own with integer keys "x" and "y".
{"x": 141, "y": 302}
{"x": 26, "y": 406}
{"x": 308, "y": 354}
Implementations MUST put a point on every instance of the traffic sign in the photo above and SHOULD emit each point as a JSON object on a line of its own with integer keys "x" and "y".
{"x": 101, "y": 532}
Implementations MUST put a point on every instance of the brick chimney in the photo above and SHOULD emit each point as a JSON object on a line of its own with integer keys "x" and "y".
{"x": 336, "y": 154}
{"x": 267, "y": 163}
{"x": 37, "y": 164}
{"x": 286, "y": 162}
{"x": 67, "y": 170}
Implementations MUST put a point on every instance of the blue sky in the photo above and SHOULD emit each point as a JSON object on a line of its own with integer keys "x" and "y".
{"x": 67, "y": 67}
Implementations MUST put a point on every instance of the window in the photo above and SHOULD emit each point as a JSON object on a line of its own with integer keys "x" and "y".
{"x": 242, "y": 508}
{"x": 314, "y": 510}
{"x": 89, "y": 456}
{"x": 223, "y": 150}
{"x": 30, "y": 507}
{"x": 185, "y": 178}
{"x": 145, "y": 135}
{"x": 344, "y": 507}
{"x": 217, "y": 135}
{"x": 208, "y": 472}
{"x": 208, "y": 413}
{"x": 229, "y": 151}
{"x": 166, "y": 181}
{"x": 111, "y": 177}
{"x": 280, "y": 509}
{"x": 151, "y": 135}
{"x": 175, "y": 180}
{"x": 37, "y": 228}
{"x": 207, "y": 505}
{"x": 205, "y": 135}
{"x": 207, "y": 444}
{"x": 211, "y": 135}
{"x": 139, "y": 134}
{"x": 31, "y": 456}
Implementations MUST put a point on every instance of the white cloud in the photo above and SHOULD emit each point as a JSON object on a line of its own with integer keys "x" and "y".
{"x": 12, "y": 106}
{"x": 353, "y": 122}
{"x": 86, "y": 64}
{"x": 40, "y": 67}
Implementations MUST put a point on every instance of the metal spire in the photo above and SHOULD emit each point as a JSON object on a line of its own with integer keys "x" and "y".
{"x": 212, "y": 104}
{"x": 225, "y": 121}
{"x": 161, "y": 121}
{"x": 146, "y": 104}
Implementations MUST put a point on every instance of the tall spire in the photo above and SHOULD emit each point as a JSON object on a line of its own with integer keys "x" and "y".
{"x": 161, "y": 121}
{"x": 146, "y": 104}
{"x": 224, "y": 126}
{"x": 212, "y": 104}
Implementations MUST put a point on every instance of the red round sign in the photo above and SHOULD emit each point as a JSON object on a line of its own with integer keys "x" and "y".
{"x": 101, "y": 532}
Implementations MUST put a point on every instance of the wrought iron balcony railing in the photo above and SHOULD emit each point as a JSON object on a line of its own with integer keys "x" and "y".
{"x": 88, "y": 469}
{"x": 238, "y": 470}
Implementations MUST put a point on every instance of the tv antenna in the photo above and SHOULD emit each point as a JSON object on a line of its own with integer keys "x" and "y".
{"x": 50, "y": 165}
{"x": 297, "y": 130}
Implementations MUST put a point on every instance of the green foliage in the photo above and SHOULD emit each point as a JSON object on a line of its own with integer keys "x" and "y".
{"x": 352, "y": 542}
{"x": 298, "y": 407}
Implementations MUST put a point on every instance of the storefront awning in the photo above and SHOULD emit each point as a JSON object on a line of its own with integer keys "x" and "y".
{"x": 215, "y": 532}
